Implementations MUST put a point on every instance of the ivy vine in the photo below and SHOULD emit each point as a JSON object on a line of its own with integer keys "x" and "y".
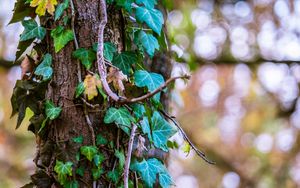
{"x": 141, "y": 117}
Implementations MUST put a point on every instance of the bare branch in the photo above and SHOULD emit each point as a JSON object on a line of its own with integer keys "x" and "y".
{"x": 128, "y": 157}
{"x": 187, "y": 139}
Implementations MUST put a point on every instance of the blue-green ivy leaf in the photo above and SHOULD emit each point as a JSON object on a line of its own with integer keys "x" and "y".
{"x": 61, "y": 37}
{"x": 52, "y": 112}
{"x": 63, "y": 170}
{"x": 120, "y": 155}
{"x": 98, "y": 159}
{"x": 148, "y": 170}
{"x": 138, "y": 110}
{"x": 152, "y": 81}
{"x": 60, "y": 9}
{"x": 152, "y": 17}
{"x": 161, "y": 131}
{"x": 86, "y": 57}
{"x": 114, "y": 175}
{"x": 124, "y": 61}
{"x": 149, "y": 43}
{"x": 165, "y": 180}
{"x": 120, "y": 116}
{"x": 146, "y": 128}
{"x": 89, "y": 151}
{"x": 147, "y": 3}
{"x": 32, "y": 30}
{"x": 44, "y": 69}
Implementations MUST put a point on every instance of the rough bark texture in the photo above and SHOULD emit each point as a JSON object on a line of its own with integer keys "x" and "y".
{"x": 57, "y": 143}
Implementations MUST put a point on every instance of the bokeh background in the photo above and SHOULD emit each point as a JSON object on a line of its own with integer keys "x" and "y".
{"x": 241, "y": 106}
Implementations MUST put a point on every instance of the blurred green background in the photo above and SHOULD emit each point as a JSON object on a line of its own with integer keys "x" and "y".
{"x": 241, "y": 106}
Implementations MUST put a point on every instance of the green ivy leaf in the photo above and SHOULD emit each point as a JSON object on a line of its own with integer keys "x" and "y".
{"x": 100, "y": 140}
{"x": 146, "y": 127}
{"x": 52, "y": 112}
{"x": 79, "y": 89}
{"x": 86, "y": 57}
{"x": 114, "y": 175}
{"x": 148, "y": 170}
{"x": 80, "y": 171}
{"x": 60, "y": 9}
{"x": 161, "y": 131}
{"x": 126, "y": 4}
{"x": 61, "y": 37}
{"x": 149, "y": 42}
{"x": 96, "y": 173}
{"x": 98, "y": 159}
{"x": 32, "y": 30}
{"x": 152, "y": 81}
{"x": 78, "y": 139}
{"x": 119, "y": 116}
{"x": 138, "y": 110}
{"x": 63, "y": 170}
{"x": 124, "y": 61}
{"x": 147, "y": 3}
{"x": 120, "y": 155}
{"x": 71, "y": 184}
{"x": 152, "y": 17}
{"x": 21, "y": 10}
{"x": 89, "y": 151}
{"x": 44, "y": 69}
{"x": 109, "y": 50}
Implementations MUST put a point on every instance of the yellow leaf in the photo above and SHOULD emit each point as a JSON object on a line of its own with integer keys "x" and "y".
{"x": 43, "y": 5}
{"x": 90, "y": 85}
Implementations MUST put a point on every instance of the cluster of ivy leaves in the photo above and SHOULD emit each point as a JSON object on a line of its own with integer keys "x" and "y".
{"x": 144, "y": 37}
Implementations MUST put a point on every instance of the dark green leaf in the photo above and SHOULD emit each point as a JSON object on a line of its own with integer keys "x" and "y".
{"x": 86, "y": 57}
{"x": 114, "y": 175}
{"x": 96, "y": 173}
{"x": 79, "y": 89}
{"x": 138, "y": 110}
{"x": 152, "y": 81}
{"x": 44, "y": 69}
{"x": 149, "y": 42}
{"x": 120, "y": 155}
{"x": 32, "y": 30}
{"x": 22, "y": 46}
{"x": 52, "y": 112}
{"x": 124, "y": 61}
{"x": 63, "y": 170}
{"x": 80, "y": 171}
{"x": 61, "y": 37}
{"x": 71, "y": 184}
{"x": 109, "y": 50}
{"x": 161, "y": 131}
{"x": 152, "y": 17}
{"x": 126, "y": 4}
{"x": 78, "y": 139}
{"x": 89, "y": 151}
{"x": 100, "y": 140}
{"x": 60, "y": 9}
{"x": 21, "y": 10}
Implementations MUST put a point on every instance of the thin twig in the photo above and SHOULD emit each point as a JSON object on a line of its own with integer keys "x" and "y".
{"x": 159, "y": 89}
{"x": 93, "y": 106}
{"x": 128, "y": 158}
{"x": 187, "y": 139}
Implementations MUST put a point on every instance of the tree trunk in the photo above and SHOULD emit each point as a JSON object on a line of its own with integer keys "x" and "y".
{"x": 57, "y": 144}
